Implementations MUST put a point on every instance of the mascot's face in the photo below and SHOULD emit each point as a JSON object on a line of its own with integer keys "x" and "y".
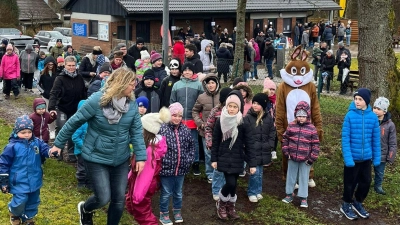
{"x": 297, "y": 73}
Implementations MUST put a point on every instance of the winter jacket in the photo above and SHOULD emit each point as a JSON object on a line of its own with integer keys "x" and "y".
{"x": 94, "y": 87}
{"x": 257, "y": 58}
{"x": 252, "y": 56}
{"x": 334, "y": 29}
{"x": 186, "y": 91}
{"x": 361, "y": 136}
{"x": 28, "y": 61}
{"x": 341, "y": 31}
{"x": 341, "y": 65}
{"x": 21, "y": 161}
{"x": 152, "y": 94}
{"x": 179, "y": 51}
{"x": 388, "y": 139}
{"x": 195, "y": 60}
{"x": 339, "y": 53}
{"x": 224, "y": 37}
{"x": 41, "y": 122}
{"x": 2, "y": 52}
{"x": 296, "y": 30}
{"x": 105, "y": 143}
{"x": 204, "y": 103}
{"x": 166, "y": 89}
{"x": 305, "y": 38}
{"x": 41, "y": 64}
{"x": 74, "y": 54}
{"x": 215, "y": 113}
{"x": 271, "y": 33}
{"x": 269, "y": 52}
{"x": 180, "y": 153}
{"x": 130, "y": 62}
{"x": 46, "y": 82}
{"x": 328, "y": 63}
{"x": 317, "y": 53}
{"x": 57, "y": 51}
{"x": 160, "y": 73}
{"x": 261, "y": 43}
{"x": 206, "y": 58}
{"x": 300, "y": 141}
{"x": 348, "y": 32}
{"x": 214, "y": 37}
{"x": 263, "y": 135}
{"x": 134, "y": 52}
{"x": 10, "y": 67}
{"x": 79, "y": 135}
{"x": 247, "y": 101}
{"x": 66, "y": 93}
{"x": 86, "y": 67}
{"x": 224, "y": 59}
{"x": 141, "y": 67}
{"x": 315, "y": 31}
{"x": 328, "y": 35}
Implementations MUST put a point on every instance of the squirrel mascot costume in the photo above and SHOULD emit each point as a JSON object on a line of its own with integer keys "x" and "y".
{"x": 296, "y": 87}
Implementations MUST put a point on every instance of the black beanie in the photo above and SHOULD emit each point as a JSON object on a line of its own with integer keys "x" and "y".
{"x": 236, "y": 81}
{"x": 364, "y": 93}
{"x": 224, "y": 94}
{"x": 49, "y": 59}
{"x": 139, "y": 40}
{"x": 261, "y": 99}
{"x": 149, "y": 74}
{"x": 188, "y": 65}
{"x": 105, "y": 67}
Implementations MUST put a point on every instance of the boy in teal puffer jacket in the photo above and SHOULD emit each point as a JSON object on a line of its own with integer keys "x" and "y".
{"x": 360, "y": 147}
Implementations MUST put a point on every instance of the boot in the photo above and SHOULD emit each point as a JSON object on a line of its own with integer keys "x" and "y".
{"x": 196, "y": 169}
{"x": 222, "y": 206}
{"x": 30, "y": 222}
{"x": 15, "y": 220}
{"x": 230, "y": 208}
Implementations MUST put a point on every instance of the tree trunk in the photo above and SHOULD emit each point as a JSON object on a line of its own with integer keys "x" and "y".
{"x": 239, "y": 45}
{"x": 376, "y": 59}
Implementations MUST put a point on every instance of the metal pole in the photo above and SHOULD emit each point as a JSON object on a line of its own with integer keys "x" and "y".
{"x": 126, "y": 32}
{"x": 165, "y": 40}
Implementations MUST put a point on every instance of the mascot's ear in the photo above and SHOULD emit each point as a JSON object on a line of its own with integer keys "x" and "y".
{"x": 296, "y": 52}
{"x": 304, "y": 55}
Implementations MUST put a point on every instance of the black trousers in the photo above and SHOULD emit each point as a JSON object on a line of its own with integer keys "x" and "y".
{"x": 358, "y": 177}
{"x": 10, "y": 85}
{"x": 230, "y": 184}
{"x": 27, "y": 80}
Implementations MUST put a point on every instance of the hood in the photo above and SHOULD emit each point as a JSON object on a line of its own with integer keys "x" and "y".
{"x": 195, "y": 77}
{"x": 36, "y": 102}
{"x": 247, "y": 89}
{"x": 305, "y": 106}
{"x": 237, "y": 92}
{"x": 211, "y": 76}
{"x": 386, "y": 117}
{"x": 352, "y": 107}
{"x": 204, "y": 44}
{"x": 80, "y": 104}
{"x": 29, "y": 47}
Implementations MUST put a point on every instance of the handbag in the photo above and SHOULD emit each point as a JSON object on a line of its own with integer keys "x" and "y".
{"x": 345, "y": 73}
{"x": 246, "y": 66}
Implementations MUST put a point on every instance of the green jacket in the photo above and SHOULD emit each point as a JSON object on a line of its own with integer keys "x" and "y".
{"x": 57, "y": 51}
{"x": 106, "y": 143}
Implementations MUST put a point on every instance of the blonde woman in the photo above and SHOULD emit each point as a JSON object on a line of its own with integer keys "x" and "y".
{"x": 113, "y": 123}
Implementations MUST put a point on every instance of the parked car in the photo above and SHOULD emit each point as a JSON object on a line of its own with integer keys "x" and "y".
{"x": 43, "y": 37}
{"x": 20, "y": 41}
{"x": 10, "y": 31}
{"x": 66, "y": 31}
{"x": 65, "y": 41}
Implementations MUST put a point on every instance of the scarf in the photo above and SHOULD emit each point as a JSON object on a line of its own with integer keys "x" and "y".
{"x": 73, "y": 75}
{"x": 272, "y": 99}
{"x": 90, "y": 57}
{"x": 229, "y": 124}
{"x": 115, "y": 66}
{"x": 113, "y": 112}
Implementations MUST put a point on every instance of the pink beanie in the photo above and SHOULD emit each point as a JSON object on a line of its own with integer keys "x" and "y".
{"x": 176, "y": 108}
{"x": 233, "y": 99}
{"x": 268, "y": 84}
{"x": 155, "y": 56}
{"x": 9, "y": 46}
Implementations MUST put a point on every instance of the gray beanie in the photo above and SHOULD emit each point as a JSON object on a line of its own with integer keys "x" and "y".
{"x": 382, "y": 103}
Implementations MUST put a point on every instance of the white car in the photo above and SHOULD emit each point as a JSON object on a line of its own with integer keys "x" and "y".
{"x": 65, "y": 41}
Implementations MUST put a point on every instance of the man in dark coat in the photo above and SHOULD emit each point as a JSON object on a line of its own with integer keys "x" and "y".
{"x": 214, "y": 36}
{"x": 256, "y": 30}
{"x": 192, "y": 56}
{"x": 134, "y": 50}
{"x": 269, "y": 55}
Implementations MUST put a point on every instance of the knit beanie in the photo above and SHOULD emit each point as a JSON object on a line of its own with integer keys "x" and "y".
{"x": 139, "y": 40}
{"x": 152, "y": 121}
{"x": 364, "y": 93}
{"x": 97, "y": 52}
{"x": 149, "y": 74}
{"x": 341, "y": 44}
{"x": 60, "y": 59}
{"x": 49, "y": 59}
{"x": 142, "y": 101}
{"x": 269, "y": 84}
{"x": 236, "y": 81}
{"x": 382, "y": 103}
{"x": 22, "y": 123}
{"x": 233, "y": 99}
{"x": 301, "y": 112}
{"x": 223, "y": 94}
{"x": 176, "y": 108}
{"x": 4, "y": 42}
{"x": 261, "y": 99}
{"x": 105, "y": 67}
{"x": 144, "y": 55}
{"x": 155, "y": 56}
{"x": 41, "y": 106}
{"x": 188, "y": 65}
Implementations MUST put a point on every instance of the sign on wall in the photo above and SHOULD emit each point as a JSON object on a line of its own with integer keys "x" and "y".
{"x": 103, "y": 31}
{"x": 79, "y": 29}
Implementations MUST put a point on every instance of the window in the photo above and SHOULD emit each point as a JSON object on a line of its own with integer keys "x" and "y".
{"x": 93, "y": 28}
{"x": 287, "y": 25}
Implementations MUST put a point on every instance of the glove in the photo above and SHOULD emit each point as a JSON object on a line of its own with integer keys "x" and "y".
{"x": 309, "y": 163}
{"x": 4, "y": 184}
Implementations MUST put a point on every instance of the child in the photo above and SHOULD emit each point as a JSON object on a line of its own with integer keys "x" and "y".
{"x": 261, "y": 123}
{"x": 10, "y": 72}
{"x": 22, "y": 154}
{"x": 143, "y": 186}
{"x": 167, "y": 84}
{"x": 142, "y": 64}
{"x": 143, "y": 104}
{"x": 227, "y": 153}
{"x": 301, "y": 146}
{"x": 148, "y": 90}
{"x": 176, "y": 164}
{"x": 158, "y": 67}
{"x": 41, "y": 120}
{"x": 247, "y": 94}
{"x": 361, "y": 146}
{"x": 42, "y": 57}
{"x": 270, "y": 90}
{"x": 388, "y": 141}
{"x": 343, "y": 63}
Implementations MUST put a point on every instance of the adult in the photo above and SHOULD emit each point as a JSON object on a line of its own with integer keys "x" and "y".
{"x": 296, "y": 34}
{"x": 104, "y": 73}
{"x": 341, "y": 31}
{"x": 135, "y": 49}
{"x": 71, "y": 52}
{"x": 194, "y": 58}
{"x": 189, "y": 32}
{"x": 57, "y": 49}
{"x": 224, "y": 59}
{"x": 326, "y": 75}
{"x": 334, "y": 32}
{"x": 269, "y": 53}
{"x": 328, "y": 35}
{"x": 214, "y": 36}
{"x": 256, "y": 30}
{"x": 178, "y": 49}
{"x": 315, "y": 33}
{"x": 117, "y": 62}
{"x": 29, "y": 61}
{"x": 181, "y": 34}
{"x": 321, "y": 30}
{"x": 3, "y": 46}
{"x": 47, "y": 77}
{"x": 224, "y": 37}
{"x": 128, "y": 60}
{"x": 89, "y": 64}
{"x": 68, "y": 89}
{"x": 10, "y": 72}
{"x": 206, "y": 56}
{"x": 113, "y": 124}
{"x": 260, "y": 39}
{"x": 271, "y": 32}
{"x": 257, "y": 57}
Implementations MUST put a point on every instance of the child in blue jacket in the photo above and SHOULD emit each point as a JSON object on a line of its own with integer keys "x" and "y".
{"x": 360, "y": 147}
{"x": 22, "y": 157}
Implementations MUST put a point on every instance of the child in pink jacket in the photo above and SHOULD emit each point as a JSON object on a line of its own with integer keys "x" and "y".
{"x": 143, "y": 186}
{"x": 10, "y": 72}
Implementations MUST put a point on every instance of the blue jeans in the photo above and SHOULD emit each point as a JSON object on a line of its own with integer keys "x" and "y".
{"x": 218, "y": 180}
{"x": 207, "y": 159}
{"x": 109, "y": 184}
{"x": 171, "y": 186}
{"x": 245, "y": 76}
{"x": 25, "y": 205}
{"x": 379, "y": 173}
{"x": 348, "y": 37}
{"x": 296, "y": 40}
{"x": 297, "y": 171}
{"x": 340, "y": 38}
{"x": 195, "y": 136}
{"x": 255, "y": 182}
{"x": 268, "y": 64}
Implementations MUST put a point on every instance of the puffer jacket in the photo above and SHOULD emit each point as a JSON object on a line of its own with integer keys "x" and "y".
{"x": 204, "y": 103}
{"x": 21, "y": 161}
{"x": 224, "y": 59}
{"x": 186, "y": 91}
{"x": 166, "y": 88}
{"x": 263, "y": 134}
{"x": 160, "y": 74}
{"x": 41, "y": 122}
{"x": 86, "y": 66}
{"x": 328, "y": 33}
{"x": 361, "y": 136}
{"x": 180, "y": 153}
{"x": 28, "y": 61}
{"x": 300, "y": 141}
{"x": 10, "y": 67}
{"x": 57, "y": 51}
{"x": 152, "y": 94}
{"x": 206, "y": 58}
{"x": 79, "y": 136}
{"x": 257, "y": 58}
{"x": 341, "y": 31}
{"x": 105, "y": 143}
{"x": 215, "y": 113}
{"x": 388, "y": 139}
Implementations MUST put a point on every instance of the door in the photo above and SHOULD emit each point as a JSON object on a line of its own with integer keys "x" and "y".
{"x": 207, "y": 28}
{"x": 143, "y": 30}
{"x": 255, "y": 22}
{"x": 121, "y": 32}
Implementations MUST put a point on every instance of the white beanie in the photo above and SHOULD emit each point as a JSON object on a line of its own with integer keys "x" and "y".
{"x": 152, "y": 121}
{"x": 144, "y": 55}
{"x": 382, "y": 103}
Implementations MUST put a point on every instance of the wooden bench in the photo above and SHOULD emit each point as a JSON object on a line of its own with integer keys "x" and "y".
{"x": 353, "y": 80}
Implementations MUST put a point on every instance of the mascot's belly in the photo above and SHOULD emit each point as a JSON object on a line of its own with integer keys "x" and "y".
{"x": 294, "y": 97}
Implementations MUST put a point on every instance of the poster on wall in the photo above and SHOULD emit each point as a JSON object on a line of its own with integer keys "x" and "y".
{"x": 79, "y": 29}
{"x": 103, "y": 31}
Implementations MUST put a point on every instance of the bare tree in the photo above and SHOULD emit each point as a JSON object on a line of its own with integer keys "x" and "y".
{"x": 9, "y": 13}
{"x": 36, "y": 15}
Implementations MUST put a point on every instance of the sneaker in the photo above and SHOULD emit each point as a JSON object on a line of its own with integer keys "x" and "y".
{"x": 15, "y": 220}
{"x": 296, "y": 186}
{"x": 85, "y": 217}
{"x": 359, "y": 209}
{"x": 216, "y": 197}
{"x": 254, "y": 78}
{"x": 311, "y": 183}
{"x": 347, "y": 210}
{"x": 164, "y": 219}
{"x": 178, "y": 216}
{"x": 379, "y": 190}
{"x": 288, "y": 198}
{"x": 209, "y": 180}
{"x": 196, "y": 169}
{"x": 16, "y": 96}
{"x": 304, "y": 203}
{"x": 259, "y": 196}
{"x": 243, "y": 174}
{"x": 253, "y": 198}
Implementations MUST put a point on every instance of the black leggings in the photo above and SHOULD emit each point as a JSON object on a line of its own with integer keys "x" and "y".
{"x": 231, "y": 183}
{"x": 27, "y": 80}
